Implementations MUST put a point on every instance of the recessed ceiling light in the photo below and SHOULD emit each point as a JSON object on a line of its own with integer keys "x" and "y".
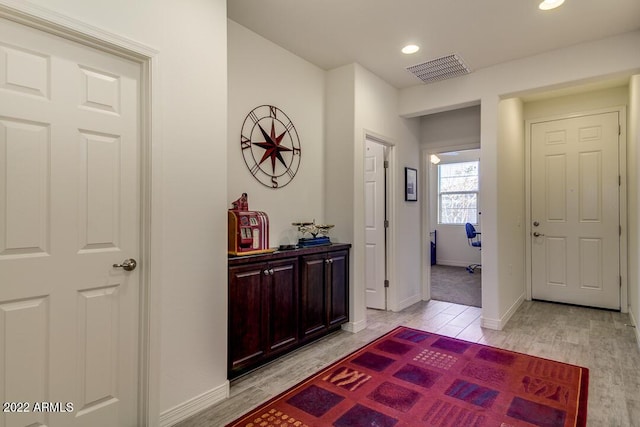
{"x": 410, "y": 48}
{"x": 550, "y": 4}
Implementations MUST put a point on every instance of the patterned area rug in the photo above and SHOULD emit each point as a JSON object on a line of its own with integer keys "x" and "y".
{"x": 413, "y": 378}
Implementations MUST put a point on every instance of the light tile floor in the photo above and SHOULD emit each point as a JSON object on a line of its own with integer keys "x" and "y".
{"x": 597, "y": 339}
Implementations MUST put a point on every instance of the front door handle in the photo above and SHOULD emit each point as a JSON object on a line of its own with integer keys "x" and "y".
{"x": 127, "y": 265}
{"x": 536, "y": 234}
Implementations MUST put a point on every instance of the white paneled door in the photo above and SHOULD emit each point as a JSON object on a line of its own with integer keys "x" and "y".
{"x": 575, "y": 210}
{"x": 374, "y": 188}
{"x": 69, "y": 211}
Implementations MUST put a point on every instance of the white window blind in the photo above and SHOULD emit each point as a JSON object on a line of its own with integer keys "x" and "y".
{"x": 458, "y": 188}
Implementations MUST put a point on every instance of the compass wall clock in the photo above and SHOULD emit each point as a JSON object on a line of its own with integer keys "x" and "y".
{"x": 270, "y": 146}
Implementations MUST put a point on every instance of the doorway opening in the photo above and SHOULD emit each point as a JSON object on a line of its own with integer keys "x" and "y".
{"x": 454, "y": 203}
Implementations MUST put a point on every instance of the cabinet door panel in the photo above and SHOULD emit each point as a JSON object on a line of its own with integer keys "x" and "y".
{"x": 313, "y": 301}
{"x": 246, "y": 314}
{"x": 283, "y": 307}
{"x": 338, "y": 289}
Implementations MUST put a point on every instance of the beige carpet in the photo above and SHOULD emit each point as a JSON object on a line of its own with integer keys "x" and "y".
{"x": 456, "y": 284}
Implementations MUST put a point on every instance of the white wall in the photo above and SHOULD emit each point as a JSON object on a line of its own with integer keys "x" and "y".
{"x": 580, "y": 102}
{"x": 339, "y": 152}
{"x": 376, "y": 105}
{"x": 616, "y": 57}
{"x": 451, "y": 130}
{"x": 358, "y": 102}
{"x": 511, "y": 205}
{"x": 190, "y": 269}
{"x": 376, "y": 112}
{"x": 261, "y": 72}
{"x": 339, "y": 180}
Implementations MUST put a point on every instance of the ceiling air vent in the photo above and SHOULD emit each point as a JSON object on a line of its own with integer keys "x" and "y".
{"x": 441, "y": 68}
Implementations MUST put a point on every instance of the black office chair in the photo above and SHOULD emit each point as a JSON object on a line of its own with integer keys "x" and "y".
{"x": 474, "y": 241}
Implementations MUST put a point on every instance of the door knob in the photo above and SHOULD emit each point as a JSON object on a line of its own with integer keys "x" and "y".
{"x": 129, "y": 264}
{"x": 536, "y": 234}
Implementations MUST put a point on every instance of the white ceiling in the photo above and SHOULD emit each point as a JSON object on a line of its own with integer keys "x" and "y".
{"x": 332, "y": 33}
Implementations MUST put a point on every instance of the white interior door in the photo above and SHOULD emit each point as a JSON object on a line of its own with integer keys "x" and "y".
{"x": 69, "y": 210}
{"x": 575, "y": 210}
{"x": 374, "y": 184}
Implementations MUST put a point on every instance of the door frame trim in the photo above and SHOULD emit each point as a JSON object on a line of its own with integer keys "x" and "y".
{"x": 52, "y": 22}
{"x": 427, "y": 195}
{"x": 622, "y": 201}
{"x": 390, "y": 297}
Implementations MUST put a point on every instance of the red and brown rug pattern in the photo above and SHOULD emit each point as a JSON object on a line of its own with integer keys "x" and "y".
{"x": 414, "y": 378}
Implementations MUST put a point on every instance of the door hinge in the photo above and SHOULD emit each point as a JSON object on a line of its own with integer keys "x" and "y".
{"x": 386, "y": 164}
{"x": 386, "y": 223}
{"x": 386, "y": 283}
{"x": 619, "y": 129}
{"x": 620, "y": 277}
{"x": 619, "y": 230}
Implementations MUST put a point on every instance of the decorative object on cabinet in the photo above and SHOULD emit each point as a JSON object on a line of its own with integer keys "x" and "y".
{"x": 410, "y": 184}
{"x": 283, "y": 300}
{"x": 270, "y": 146}
{"x": 248, "y": 230}
{"x": 319, "y": 233}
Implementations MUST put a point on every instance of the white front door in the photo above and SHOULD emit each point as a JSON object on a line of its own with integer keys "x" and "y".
{"x": 575, "y": 210}
{"x": 374, "y": 185}
{"x": 69, "y": 210}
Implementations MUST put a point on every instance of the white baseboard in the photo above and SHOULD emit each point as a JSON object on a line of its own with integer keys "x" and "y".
{"x": 498, "y": 324}
{"x": 635, "y": 324}
{"x": 453, "y": 263}
{"x": 193, "y": 406}
{"x": 354, "y": 327}
{"x": 490, "y": 323}
{"x": 407, "y": 303}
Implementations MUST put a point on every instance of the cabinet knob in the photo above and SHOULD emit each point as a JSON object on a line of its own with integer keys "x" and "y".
{"x": 271, "y": 271}
{"x": 266, "y": 272}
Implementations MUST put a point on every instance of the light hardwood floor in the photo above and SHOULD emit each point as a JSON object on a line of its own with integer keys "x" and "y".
{"x": 597, "y": 339}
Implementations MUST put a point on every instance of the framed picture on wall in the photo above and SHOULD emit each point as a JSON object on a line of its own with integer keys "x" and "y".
{"x": 410, "y": 184}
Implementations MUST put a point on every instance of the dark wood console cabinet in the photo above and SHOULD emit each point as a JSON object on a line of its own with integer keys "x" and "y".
{"x": 282, "y": 300}
{"x": 324, "y": 292}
